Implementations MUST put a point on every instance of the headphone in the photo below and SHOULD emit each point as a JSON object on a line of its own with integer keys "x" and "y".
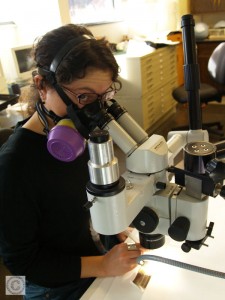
{"x": 67, "y": 139}
{"x": 63, "y": 52}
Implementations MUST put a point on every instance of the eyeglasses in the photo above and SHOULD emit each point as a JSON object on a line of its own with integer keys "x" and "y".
{"x": 87, "y": 98}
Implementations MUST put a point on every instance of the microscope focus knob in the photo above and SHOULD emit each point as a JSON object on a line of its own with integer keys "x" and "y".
{"x": 151, "y": 241}
{"x": 160, "y": 185}
{"x": 178, "y": 231}
{"x": 146, "y": 221}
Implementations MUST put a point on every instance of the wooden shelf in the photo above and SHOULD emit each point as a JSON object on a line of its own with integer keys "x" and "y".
{"x": 206, "y": 6}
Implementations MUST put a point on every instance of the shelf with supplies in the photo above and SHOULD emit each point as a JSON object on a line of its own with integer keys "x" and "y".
{"x": 147, "y": 84}
{"x": 206, "y": 6}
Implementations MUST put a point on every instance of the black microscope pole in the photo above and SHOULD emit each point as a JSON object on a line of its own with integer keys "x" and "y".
{"x": 191, "y": 72}
{"x": 192, "y": 79}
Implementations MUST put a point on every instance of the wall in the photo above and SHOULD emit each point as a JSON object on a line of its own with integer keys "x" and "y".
{"x": 113, "y": 31}
{"x": 141, "y": 18}
{"x": 149, "y": 18}
{"x": 32, "y": 18}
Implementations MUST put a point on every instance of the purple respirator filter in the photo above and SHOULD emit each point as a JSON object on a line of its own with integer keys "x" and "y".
{"x": 65, "y": 143}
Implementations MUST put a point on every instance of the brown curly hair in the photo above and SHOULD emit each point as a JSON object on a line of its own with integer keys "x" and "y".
{"x": 92, "y": 52}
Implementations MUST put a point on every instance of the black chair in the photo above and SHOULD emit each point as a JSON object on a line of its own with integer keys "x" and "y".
{"x": 208, "y": 93}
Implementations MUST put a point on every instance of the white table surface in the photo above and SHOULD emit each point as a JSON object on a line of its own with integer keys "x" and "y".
{"x": 169, "y": 282}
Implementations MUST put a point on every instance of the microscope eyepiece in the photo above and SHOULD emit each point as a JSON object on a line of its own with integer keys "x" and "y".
{"x": 99, "y": 136}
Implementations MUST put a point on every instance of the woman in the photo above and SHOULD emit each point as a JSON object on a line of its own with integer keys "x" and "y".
{"x": 44, "y": 230}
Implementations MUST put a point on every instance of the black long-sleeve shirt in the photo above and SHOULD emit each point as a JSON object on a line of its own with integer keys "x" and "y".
{"x": 44, "y": 229}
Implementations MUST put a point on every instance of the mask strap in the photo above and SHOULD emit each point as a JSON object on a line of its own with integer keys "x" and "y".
{"x": 51, "y": 114}
{"x": 63, "y": 95}
{"x": 50, "y": 77}
{"x": 42, "y": 112}
{"x": 66, "y": 49}
{"x": 73, "y": 115}
{"x": 72, "y": 111}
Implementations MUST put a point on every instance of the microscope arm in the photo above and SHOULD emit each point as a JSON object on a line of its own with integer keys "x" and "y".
{"x": 155, "y": 206}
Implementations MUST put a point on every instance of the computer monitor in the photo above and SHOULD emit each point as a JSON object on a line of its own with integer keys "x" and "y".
{"x": 23, "y": 61}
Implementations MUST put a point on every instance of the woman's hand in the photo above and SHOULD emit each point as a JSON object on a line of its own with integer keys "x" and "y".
{"x": 120, "y": 260}
{"x": 116, "y": 262}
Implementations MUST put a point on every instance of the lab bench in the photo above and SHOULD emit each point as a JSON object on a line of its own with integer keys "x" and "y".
{"x": 169, "y": 282}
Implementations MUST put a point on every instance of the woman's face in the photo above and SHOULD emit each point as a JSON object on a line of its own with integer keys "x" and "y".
{"x": 96, "y": 81}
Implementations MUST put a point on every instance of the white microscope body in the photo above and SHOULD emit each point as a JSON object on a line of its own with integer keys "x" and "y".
{"x": 143, "y": 196}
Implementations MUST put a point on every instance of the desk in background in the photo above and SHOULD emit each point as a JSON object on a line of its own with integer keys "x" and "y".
{"x": 13, "y": 108}
{"x": 15, "y": 111}
{"x": 172, "y": 283}
{"x": 13, "y": 114}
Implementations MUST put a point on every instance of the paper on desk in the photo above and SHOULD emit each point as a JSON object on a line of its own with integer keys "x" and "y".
{"x": 17, "y": 107}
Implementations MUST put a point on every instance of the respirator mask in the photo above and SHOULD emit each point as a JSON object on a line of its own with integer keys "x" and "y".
{"x": 67, "y": 139}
